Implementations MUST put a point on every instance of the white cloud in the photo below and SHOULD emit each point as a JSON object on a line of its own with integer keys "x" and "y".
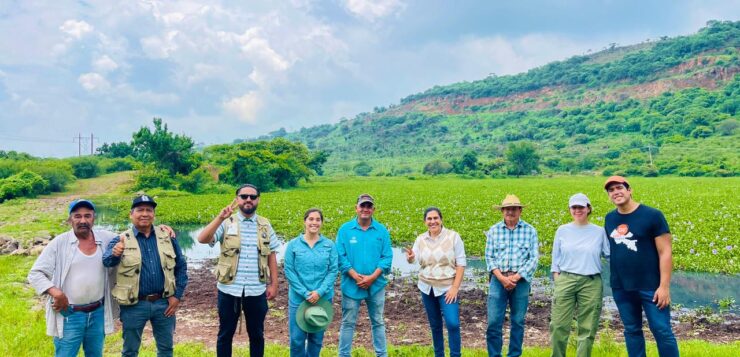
{"x": 245, "y": 107}
{"x": 76, "y": 29}
{"x": 105, "y": 64}
{"x": 93, "y": 82}
{"x": 160, "y": 47}
{"x": 372, "y": 10}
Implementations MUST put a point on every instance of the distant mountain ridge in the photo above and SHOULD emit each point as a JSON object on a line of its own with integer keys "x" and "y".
{"x": 664, "y": 107}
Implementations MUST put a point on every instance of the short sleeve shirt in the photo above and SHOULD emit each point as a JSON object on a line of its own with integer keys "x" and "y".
{"x": 634, "y": 262}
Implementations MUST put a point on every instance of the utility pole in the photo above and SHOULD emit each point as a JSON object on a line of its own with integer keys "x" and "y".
{"x": 91, "y": 144}
{"x": 79, "y": 144}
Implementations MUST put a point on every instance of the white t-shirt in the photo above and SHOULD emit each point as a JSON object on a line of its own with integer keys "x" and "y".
{"x": 85, "y": 281}
{"x": 578, "y": 249}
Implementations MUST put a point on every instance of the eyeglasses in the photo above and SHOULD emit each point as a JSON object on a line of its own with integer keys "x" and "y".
{"x": 252, "y": 197}
{"x": 367, "y": 205}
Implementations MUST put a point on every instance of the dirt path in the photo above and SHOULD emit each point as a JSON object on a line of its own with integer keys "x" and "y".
{"x": 406, "y": 321}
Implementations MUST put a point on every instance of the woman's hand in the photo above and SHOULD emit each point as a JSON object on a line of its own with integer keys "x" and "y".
{"x": 451, "y": 295}
{"x": 410, "y": 256}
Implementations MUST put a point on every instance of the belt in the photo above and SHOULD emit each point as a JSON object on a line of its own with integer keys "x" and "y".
{"x": 508, "y": 273}
{"x": 150, "y": 297}
{"x": 588, "y": 276}
{"x": 88, "y": 307}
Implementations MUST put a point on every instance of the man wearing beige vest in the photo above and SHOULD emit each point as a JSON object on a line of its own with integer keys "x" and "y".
{"x": 511, "y": 258}
{"x": 151, "y": 275}
{"x": 246, "y": 271}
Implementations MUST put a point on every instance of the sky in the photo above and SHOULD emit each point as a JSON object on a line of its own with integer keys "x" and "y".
{"x": 233, "y": 69}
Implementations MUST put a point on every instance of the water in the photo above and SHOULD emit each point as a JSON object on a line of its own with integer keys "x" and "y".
{"x": 689, "y": 289}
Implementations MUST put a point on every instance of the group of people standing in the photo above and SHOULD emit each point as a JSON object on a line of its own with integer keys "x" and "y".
{"x": 147, "y": 276}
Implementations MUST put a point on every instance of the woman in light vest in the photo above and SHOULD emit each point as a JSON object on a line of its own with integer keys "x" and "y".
{"x": 441, "y": 254}
{"x": 311, "y": 266}
{"x": 576, "y": 268}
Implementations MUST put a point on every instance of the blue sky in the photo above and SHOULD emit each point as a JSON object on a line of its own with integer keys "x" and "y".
{"x": 221, "y": 70}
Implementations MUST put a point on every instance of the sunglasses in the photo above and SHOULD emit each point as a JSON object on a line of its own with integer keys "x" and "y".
{"x": 252, "y": 197}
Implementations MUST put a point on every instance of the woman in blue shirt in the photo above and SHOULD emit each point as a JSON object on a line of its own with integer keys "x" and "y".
{"x": 576, "y": 269}
{"x": 311, "y": 265}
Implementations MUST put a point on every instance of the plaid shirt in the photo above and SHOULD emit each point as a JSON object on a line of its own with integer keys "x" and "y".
{"x": 512, "y": 250}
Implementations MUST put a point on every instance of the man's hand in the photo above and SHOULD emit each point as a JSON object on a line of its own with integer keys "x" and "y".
{"x": 228, "y": 210}
{"x": 662, "y": 297}
{"x": 60, "y": 300}
{"x": 167, "y": 229}
{"x": 272, "y": 291}
{"x": 366, "y": 282}
{"x": 173, "y": 303}
{"x": 506, "y": 282}
{"x": 120, "y": 246}
{"x": 313, "y": 297}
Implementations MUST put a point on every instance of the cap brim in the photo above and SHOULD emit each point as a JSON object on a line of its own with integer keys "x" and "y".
{"x": 504, "y": 206}
{"x": 86, "y": 204}
{"x": 151, "y": 203}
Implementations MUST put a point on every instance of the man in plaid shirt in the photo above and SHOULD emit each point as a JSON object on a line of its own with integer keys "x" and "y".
{"x": 511, "y": 258}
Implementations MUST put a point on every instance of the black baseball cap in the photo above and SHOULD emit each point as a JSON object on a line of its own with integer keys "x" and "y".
{"x": 143, "y": 199}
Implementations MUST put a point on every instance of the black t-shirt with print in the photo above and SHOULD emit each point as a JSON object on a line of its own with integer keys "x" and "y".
{"x": 634, "y": 262}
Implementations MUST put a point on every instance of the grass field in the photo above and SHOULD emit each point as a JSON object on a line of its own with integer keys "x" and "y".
{"x": 701, "y": 211}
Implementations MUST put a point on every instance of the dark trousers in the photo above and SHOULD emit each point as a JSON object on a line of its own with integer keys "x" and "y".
{"x": 229, "y": 310}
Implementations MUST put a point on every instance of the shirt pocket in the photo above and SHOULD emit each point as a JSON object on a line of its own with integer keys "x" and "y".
{"x": 523, "y": 250}
{"x": 498, "y": 250}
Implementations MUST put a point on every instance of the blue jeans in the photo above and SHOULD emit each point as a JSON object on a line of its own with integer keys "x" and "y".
{"x": 631, "y": 304}
{"x": 302, "y": 344}
{"x": 133, "y": 319}
{"x": 82, "y": 328}
{"x": 517, "y": 300}
{"x": 350, "y": 308}
{"x": 437, "y": 309}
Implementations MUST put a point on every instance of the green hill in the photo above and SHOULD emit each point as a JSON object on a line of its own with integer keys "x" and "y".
{"x": 668, "y": 107}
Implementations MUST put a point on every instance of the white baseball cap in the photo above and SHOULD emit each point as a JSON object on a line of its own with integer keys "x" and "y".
{"x": 579, "y": 199}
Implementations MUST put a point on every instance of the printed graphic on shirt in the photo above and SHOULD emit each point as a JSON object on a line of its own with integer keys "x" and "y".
{"x": 353, "y": 240}
{"x": 622, "y": 234}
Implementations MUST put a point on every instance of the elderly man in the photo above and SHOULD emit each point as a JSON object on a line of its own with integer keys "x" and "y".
{"x": 151, "y": 275}
{"x": 511, "y": 258}
{"x": 69, "y": 271}
{"x": 364, "y": 248}
{"x": 246, "y": 265}
{"x": 641, "y": 265}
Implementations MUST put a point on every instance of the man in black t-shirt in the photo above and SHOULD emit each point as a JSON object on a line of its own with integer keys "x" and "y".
{"x": 641, "y": 265}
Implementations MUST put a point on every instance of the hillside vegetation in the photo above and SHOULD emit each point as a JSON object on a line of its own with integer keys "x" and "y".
{"x": 668, "y": 107}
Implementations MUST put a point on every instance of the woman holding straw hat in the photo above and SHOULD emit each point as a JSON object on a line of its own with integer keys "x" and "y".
{"x": 311, "y": 266}
{"x": 576, "y": 269}
{"x": 441, "y": 255}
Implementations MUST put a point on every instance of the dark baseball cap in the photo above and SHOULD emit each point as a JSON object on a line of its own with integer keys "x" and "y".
{"x": 143, "y": 199}
{"x": 80, "y": 203}
{"x": 365, "y": 198}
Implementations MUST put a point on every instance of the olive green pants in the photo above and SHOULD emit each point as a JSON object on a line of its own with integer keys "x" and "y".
{"x": 581, "y": 295}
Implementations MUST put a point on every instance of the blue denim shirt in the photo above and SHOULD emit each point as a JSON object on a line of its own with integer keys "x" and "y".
{"x": 310, "y": 269}
{"x": 364, "y": 251}
{"x": 151, "y": 280}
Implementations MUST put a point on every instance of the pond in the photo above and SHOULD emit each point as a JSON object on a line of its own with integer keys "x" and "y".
{"x": 690, "y": 289}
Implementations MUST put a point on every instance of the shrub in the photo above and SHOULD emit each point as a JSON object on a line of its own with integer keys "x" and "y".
{"x": 85, "y": 167}
{"x": 22, "y": 184}
{"x": 118, "y": 164}
{"x": 437, "y": 167}
{"x": 150, "y": 177}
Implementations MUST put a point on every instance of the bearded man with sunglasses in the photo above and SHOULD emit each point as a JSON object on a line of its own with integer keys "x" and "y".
{"x": 247, "y": 269}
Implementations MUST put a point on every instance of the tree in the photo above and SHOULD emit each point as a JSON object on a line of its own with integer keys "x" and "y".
{"x": 114, "y": 150}
{"x": 467, "y": 163}
{"x": 437, "y": 167}
{"x": 168, "y": 151}
{"x": 317, "y": 161}
{"x": 522, "y": 158}
{"x": 362, "y": 169}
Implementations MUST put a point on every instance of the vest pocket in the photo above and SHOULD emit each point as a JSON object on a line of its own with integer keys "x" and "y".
{"x": 169, "y": 260}
{"x": 124, "y": 294}
{"x": 224, "y": 272}
{"x": 128, "y": 268}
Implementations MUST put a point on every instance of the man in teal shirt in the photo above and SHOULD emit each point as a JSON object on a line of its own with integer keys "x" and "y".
{"x": 365, "y": 255}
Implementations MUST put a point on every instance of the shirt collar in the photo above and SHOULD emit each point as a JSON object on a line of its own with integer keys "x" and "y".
{"x": 302, "y": 238}
{"x": 136, "y": 231}
{"x": 519, "y": 224}
{"x": 427, "y": 235}
{"x": 75, "y": 240}
{"x": 357, "y": 224}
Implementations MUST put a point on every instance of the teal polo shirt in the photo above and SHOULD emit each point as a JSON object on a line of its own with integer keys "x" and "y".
{"x": 364, "y": 251}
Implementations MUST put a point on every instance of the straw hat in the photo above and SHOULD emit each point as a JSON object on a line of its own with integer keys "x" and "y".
{"x": 510, "y": 201}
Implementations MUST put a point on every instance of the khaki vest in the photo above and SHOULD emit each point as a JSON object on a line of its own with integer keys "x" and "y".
{"x": 437, "y": 259}
{"x": 126, "y": 290}
{"x": 228, "y": 260}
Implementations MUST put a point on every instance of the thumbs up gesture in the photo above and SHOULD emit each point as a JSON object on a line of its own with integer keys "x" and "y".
{"x": 120, "y": 246}
{"x": 410, "y": 256}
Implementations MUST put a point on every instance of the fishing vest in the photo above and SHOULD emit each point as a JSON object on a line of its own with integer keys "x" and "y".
{"x": 126, "y": 290}
{"x": 228, "y": 260}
